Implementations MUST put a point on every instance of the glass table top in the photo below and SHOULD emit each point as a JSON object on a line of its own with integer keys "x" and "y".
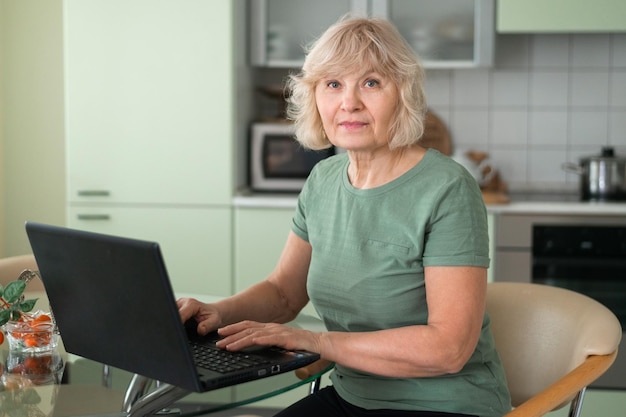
{"x": 58, "y": 384}
{"x": 38, "y": 387}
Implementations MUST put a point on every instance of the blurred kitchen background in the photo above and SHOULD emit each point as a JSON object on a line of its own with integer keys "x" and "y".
{"x": 548, "y": 98}
{"x": 132, "y": 117}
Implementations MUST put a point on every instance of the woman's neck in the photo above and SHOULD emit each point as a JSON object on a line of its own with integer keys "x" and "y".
{"x": 368, "y": 170}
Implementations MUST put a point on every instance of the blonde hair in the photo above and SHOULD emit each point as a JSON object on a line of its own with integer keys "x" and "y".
{"x": 357, "y": 43}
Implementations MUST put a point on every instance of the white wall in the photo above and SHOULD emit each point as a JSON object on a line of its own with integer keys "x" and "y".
{"x": 549, "y": 99}
{"x": 33, "y": 160}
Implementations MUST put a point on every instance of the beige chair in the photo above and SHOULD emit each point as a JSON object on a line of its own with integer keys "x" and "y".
{"x": 553, "y": 343}
{"x": 12, "y": 266}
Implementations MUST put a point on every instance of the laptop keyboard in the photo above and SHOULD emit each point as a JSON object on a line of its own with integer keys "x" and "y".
{"x": 222, "y": 361}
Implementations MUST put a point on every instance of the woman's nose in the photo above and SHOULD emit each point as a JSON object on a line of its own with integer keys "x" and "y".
{"x": 351, "y": 100}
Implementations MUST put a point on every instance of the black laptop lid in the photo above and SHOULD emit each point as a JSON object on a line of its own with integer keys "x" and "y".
{"x": 103, "y": 291}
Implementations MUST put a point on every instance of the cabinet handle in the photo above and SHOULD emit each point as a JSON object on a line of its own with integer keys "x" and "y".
{"x": 93, "y": 217}
{"x": 94, "y": 193}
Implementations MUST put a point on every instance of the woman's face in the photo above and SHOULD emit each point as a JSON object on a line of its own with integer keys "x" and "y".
{"x": 357, "y": 109}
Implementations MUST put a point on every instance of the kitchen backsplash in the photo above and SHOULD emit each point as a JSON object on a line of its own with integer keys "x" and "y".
{"x": 549, "y": 99}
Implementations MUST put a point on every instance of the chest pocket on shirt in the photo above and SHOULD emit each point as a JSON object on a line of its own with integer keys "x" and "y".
{"x": 386, "y": 257}
{"x": 387, "y": 246}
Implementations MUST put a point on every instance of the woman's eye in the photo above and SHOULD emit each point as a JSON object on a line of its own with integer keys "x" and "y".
{"x": 333, "y": 84}
{"x": 371, "y": 83}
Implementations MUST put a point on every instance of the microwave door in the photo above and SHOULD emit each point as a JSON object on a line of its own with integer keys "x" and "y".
{"x": 278, "y": 162}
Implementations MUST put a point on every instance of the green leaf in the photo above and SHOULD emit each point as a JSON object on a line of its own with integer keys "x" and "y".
{"x": 26, "y": 305}
{"x": 14, "y": 291}
{"x": 5, "y": 315}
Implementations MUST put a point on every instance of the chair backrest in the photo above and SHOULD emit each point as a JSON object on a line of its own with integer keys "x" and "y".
{"x": 543, "y": 332}
{"x": 12, "y": 266}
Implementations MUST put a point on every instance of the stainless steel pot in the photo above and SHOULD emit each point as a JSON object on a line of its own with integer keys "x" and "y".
{"x": 602, "y": 177}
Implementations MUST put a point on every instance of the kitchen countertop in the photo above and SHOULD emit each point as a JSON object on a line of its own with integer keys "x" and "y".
{"x": 266, "y": 200}
{"x": 521, "y": 203}
{"x": 561, "y": 208}
{"x": 555, "y": 202}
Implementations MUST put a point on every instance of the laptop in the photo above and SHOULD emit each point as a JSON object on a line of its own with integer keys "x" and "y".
{"x": 113, "y": 303}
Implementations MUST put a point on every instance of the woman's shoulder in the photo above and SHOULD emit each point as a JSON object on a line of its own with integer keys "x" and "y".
{"x": 334, "y": 163}
{"x": 438, "y": 175}
{"x": 443, "y": 165}
{"x": 326, "y": 172}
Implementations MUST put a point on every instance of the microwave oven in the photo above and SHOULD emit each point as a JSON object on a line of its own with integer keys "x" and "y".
{"x": 277, "y": 162}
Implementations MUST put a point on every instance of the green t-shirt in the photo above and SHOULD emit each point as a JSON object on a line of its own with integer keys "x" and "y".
{"x": 367, "y": 273}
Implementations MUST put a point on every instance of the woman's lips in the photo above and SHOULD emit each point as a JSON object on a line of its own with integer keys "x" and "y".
{"x": 352, "y": 125}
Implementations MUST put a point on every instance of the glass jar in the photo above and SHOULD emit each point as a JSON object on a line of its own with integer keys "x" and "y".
{"x": 33, "y": 333}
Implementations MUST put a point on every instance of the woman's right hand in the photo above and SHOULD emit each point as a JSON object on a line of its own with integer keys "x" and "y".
{"x": 207, "y": 316}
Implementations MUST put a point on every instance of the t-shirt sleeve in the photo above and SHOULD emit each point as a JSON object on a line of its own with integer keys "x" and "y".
{"x": 457, "y": 234}
{"x": 298, "y": 222}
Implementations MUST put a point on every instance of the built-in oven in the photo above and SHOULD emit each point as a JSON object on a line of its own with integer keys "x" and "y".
{"x": 584, "y": 253}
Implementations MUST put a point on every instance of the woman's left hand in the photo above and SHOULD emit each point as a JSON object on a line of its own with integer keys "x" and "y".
{"x": 251, "y": 333}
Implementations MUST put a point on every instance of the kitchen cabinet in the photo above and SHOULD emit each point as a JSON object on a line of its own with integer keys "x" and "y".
{"x": 195, "y": 241}
{"x": 150, "y": 128}
{"x": 445, "y": 33}
{"x": 260, "y": 236}
{"x": 280, "y": 28}
{"x": 146, "y": 120}
{"x": 560, "y": 16}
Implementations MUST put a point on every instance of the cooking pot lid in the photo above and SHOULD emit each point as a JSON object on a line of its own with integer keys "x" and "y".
{"x": 607, "y": 154}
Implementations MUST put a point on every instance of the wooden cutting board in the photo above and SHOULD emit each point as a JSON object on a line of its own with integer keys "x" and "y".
{"x": 436, "y": 134}
{"x": 495, "y": 197}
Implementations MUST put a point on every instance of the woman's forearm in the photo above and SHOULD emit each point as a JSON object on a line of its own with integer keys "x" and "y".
{"x": 414, "y": 351}
{"x": 262, "y": 302}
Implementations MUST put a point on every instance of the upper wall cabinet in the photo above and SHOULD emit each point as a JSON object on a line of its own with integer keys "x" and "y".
{"x": 146, "y": 121}
{"x": 280, "y": 29}
{"x": 445, "y": 33}
{"x": 561, "y": 16}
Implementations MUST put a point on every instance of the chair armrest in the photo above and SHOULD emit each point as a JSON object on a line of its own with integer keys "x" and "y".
{"x": 316, "y": 367}
{"x": 565, "y": 388}
{"x": 547, "y": 400}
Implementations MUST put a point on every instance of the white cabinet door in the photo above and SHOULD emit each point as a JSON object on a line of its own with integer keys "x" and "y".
{"x": 280, "y": 28}
{"x": 561, "y": 16}
{"x": 195, "y": 242}
{"x": 149, "y": 103}
{"x": 260, "y": 236}
{"x": 445, "y": 33}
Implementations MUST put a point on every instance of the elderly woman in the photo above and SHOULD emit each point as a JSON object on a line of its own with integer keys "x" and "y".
{"x": 389, "y": 242}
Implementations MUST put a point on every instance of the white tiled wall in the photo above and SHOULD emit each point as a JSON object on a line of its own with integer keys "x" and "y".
{"x": 549, "y": 99}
